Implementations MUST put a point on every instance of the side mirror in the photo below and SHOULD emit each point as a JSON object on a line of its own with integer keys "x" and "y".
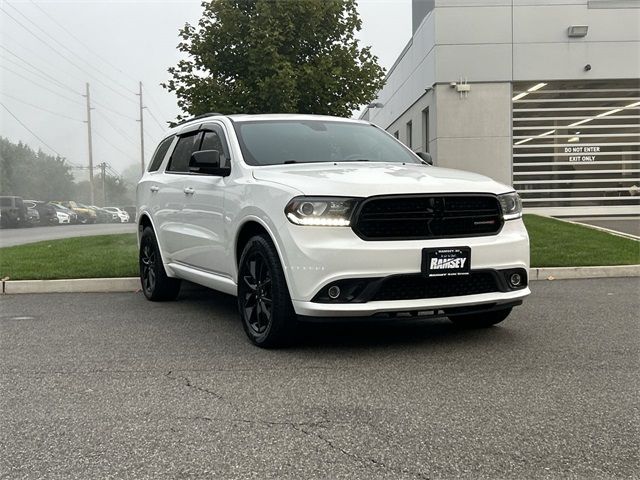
{"x": 425, "y": 157}
{"x": 208, "y": 161}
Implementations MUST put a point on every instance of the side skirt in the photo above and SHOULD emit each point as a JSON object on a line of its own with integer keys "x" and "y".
{"x": 207, "y": 279}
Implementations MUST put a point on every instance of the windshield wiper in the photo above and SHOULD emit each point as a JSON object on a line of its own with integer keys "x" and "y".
{"x": 288, "y": 162}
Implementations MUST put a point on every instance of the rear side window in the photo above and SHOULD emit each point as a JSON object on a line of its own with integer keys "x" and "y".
{"x": 158, "y": 156}
{"x": 181, "y": 155}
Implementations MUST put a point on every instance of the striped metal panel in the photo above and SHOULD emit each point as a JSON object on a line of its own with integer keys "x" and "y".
{"x": 576, "y": 145}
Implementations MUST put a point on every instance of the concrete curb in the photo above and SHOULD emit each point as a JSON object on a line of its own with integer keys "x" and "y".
{"x": 567, "y": 273}
{"x": 80, "y": 285}
{"x": 132, "y": 284}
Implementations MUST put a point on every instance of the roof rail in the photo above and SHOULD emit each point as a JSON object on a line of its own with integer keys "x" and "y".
{"x": 197, "y": 117}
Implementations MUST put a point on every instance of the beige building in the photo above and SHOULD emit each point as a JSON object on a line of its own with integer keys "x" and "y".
{"x": 540, "y": 94}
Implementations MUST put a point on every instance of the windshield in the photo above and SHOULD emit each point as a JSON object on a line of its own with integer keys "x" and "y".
{"x": 269, "y": 142}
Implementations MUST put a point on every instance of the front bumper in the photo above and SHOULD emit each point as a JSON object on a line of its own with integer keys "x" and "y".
{"x": 314, "y": 309}
{"x": 313, "y": 257}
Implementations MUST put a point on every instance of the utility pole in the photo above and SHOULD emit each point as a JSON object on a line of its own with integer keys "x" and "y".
{"x": 141, "y": 130}
{"x": 90, "y": 144}
{"x": 103, "y": 167}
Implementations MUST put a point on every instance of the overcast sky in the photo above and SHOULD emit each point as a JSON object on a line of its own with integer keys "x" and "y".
{"x": 50, "y": 49}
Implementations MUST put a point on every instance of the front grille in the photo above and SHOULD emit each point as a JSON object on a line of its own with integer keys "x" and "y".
{"x": 427, "y": 216}
{"x": 412, "y": 287}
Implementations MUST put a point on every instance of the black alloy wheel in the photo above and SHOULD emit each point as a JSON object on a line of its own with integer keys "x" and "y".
{"x": 264, "y": 302}
{"x": 156, "y": 285}
{"x": 257, "y": 300}
{"x": 147, "y": 267}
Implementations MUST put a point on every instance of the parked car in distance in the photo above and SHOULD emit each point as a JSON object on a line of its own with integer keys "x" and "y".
{"x": 122, "y": 216}
{"x": 47, "y": 211}
{"x": 85, "y": 214}
{"x": 318, "y": 218}
{"x": 14, "y": 212}
{"x": 33, "y": 217}
{"x": 131, "y": 211}
{"x": 104, "y": 216}
{"x": 65, "y": 215}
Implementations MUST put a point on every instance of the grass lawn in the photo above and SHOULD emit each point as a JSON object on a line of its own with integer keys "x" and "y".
{"x": 80, "y": 257}
{"x": 553, "y": 244}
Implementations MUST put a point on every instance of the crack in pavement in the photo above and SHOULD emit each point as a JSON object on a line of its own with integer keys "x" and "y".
{"x": 187, "y": 383}
{"x": 302, "y": 427}
{"x": 364, "y": 461}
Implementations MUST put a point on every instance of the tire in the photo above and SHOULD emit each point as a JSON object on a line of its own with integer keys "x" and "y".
{"x": 156, "y": 286}
{"x": 264, "y": 302}
{"x": 481, "y": 319}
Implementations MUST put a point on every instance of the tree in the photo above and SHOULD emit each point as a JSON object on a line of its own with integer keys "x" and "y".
{"x": 267, "y": 56}
{"x": 131, "y": 175}
{"x": 33, "y": 175}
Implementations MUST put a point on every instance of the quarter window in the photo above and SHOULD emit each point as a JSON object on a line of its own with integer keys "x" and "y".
{"x": 160, "y": 153}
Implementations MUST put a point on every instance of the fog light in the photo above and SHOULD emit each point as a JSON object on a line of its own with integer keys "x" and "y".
{"x": 515, "y": 279}
{"x": 334, "y": 292}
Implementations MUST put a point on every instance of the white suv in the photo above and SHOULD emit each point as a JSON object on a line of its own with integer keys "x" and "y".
{"x": 308, "y": 217}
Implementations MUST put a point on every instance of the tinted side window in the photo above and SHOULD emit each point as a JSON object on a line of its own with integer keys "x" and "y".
{"x": 181, "y": 155}
{"x": 212, "y": 141}
{"x": 158, "y": 156}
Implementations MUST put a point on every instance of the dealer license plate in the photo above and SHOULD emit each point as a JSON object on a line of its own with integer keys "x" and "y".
{"x": 443, "y": 262}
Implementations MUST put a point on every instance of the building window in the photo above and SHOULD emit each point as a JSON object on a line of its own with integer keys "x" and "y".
{"x": 425, "y": 129}
{"x": 409, "y": 135}
{"x": 396, "y": 134}
{"x": 576, "y": 144}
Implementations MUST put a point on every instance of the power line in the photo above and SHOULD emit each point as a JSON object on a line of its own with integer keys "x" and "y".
{"x": 115, "y": 147}
{"x": 90, "y": 50}
{"x": 36, "y": 54}
{"x": 19, "y": 65}
{"x": 98, "y": 79}
{"x": 152, "y": 137}
{"x": 102, "y": 74}
{"x": 116, "y": 128}
{"x": 38, "y": 75}
{"x": 40, "y": 108}
{"x": 156, "y": 120}
{"x": 40, "y": 85}
{"x": 109, "y": 109}
{"x": 155, "y": 102}
{"x": 30, "y": 131}
{"x": 44, "y": 74}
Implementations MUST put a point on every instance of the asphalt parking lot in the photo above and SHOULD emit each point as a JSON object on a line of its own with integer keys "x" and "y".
{"x": 111, "y": 386}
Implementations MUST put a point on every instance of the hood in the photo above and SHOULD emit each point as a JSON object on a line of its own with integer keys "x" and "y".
{"x": 366, "y": 179}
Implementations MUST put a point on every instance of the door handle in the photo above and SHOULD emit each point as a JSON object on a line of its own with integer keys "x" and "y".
{"x": 189, "y": 191}
{"x": 154, "y": 188}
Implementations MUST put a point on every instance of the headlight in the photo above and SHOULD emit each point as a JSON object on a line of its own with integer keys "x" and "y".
{"x": 511, "y": 205}
{"x": 321, "y": 211}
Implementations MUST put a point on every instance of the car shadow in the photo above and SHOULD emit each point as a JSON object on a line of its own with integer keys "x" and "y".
{"x": 359, "y": 334}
